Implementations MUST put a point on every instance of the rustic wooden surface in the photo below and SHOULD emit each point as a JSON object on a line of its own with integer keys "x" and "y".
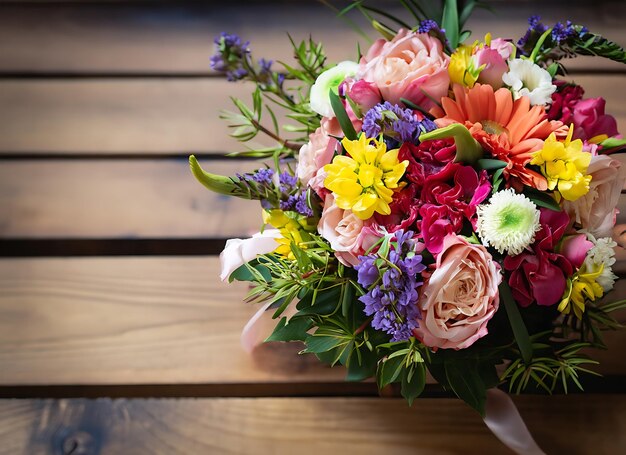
{"x": 305, "y": 426}
{"x": 101, "y": 103}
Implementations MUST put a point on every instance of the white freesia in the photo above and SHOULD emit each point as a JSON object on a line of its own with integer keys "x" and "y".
{"x": 330, "y": 79}
{"x": 508, "y": 222}
{"x": 239, "y": 251}
{"x": 528, "y": 79}
{"x": 602, "y": 254}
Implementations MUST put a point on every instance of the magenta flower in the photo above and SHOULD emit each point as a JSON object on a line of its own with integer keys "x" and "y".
{"x": 590, "y": 119}
{"x": 539, "y": 274}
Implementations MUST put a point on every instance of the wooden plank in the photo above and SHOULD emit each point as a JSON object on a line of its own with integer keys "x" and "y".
{"x": 119, "y": 199}
{"x": 177, "y": 38}
{"x": 125, "y": 321}
{"x": 162, "y": 116}
{"x": 574, "y": 424}
{"x": 109, "y": 321}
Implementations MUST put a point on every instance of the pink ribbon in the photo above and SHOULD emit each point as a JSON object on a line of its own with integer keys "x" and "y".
{"x": 505, "y": 422}
{"x": 501, "y": 414}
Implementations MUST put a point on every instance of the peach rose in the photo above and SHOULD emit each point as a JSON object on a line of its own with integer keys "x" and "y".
{"x": 460, "y": 296}
{"x": 595, "y": 211}
{"x": 409, "y": 66}
{"x": 315, "y": 154}
{"x": 347, "y": 234}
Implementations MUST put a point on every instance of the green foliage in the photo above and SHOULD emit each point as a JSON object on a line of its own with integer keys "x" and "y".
{"x": 287, "y": 90}
{"x": 551, "y": 370}
{"x": 450, "y": 15}
{"x": 517, "y": 323}
{"x": 541, "y": 199}
{"x": 342, "y": 116}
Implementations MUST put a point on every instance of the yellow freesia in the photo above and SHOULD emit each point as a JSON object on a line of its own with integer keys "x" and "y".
{"x": 582, "y": 286}
{"x": 364, "y": 181}
{"x": 292, "y": 229}
{"x": 564, "y": 164}
{"x": 461, "y": 67}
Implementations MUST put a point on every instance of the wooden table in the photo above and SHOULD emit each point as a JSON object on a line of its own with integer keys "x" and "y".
{"x": 116, "y": 336}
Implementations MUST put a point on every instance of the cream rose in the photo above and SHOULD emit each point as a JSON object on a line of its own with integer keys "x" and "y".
{"x": 460, "y": 297}
{"x": 411, "y": 66}
{"x": 595, "y": 211}
{"x": 347, "y": 234}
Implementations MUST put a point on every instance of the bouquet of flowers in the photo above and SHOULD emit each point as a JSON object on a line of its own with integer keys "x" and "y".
{"x": 438, "y": 205}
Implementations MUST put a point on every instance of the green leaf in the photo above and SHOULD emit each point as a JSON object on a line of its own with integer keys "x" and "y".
{"x": 490, "y": 164}
{"x": 612, "y": 144}
{"x": 413, "y": 382}
{"x": 517, "y": 323}
{"x": 217, "y": 183}
{"x": 241, "y": 273}
{"x": 358, "y": 370}
{"x": 450, "y": 22}
{"x": 542, "y": 199}
{"x": 293, "y": 330}
{"x": 322, "y": 343}
{"x": 465, "y": 381}
{"x": 342, "y": 116}
{"x": 389, "y": 370}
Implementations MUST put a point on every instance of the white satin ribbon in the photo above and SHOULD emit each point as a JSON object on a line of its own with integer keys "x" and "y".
{"x": 505, "y": 422}
{"x": 501, "y": 414}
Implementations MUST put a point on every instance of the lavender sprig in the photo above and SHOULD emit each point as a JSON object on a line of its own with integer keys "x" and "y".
{"x": 396, "y": 123}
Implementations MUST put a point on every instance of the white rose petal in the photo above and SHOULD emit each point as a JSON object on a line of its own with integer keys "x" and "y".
{"x": 239, "y": 251}
{"x": 330, "y": 79}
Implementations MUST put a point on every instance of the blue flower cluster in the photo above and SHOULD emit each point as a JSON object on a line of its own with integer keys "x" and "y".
{"x": 428, "y": 25}
{"x": 393, "y": 121}
{"x": 392, "y": 284}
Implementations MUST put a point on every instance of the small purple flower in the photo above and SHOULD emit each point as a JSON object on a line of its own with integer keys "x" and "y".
{"x": 562, "y": 32}
{"x": 427, "y": 26}
{"x": 392, "y": 284}
{"x": 393, "y": 121}
{"x": 231, "y": 53}
{"x": 302, "y": 206}
{"x": 287, "y": 182}
{"x": 263, "y": 176}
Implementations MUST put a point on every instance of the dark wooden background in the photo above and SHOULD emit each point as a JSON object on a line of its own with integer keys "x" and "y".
{"x": 116, "y": 336}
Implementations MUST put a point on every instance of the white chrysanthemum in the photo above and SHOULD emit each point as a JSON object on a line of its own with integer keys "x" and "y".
{"x": 602, "y": 253}
{"x": 508, "y": 222}
{"x": 330, "y": 79}
{"x": 528, "y": 79}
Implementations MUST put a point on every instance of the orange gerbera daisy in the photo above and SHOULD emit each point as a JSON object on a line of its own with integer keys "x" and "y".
{"x": 510, "y": 130}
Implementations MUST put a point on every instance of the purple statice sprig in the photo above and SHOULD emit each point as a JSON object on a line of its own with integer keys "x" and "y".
{"x": 233, "y": 58}
{"x": 395, "y": 122}
{"x": 275, "y": 191}
{"x": 391, "y": 277}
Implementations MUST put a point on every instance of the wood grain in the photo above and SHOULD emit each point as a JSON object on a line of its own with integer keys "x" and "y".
{"x": 149, "y": 38}
{"x": 156, "y": 116}
{"x": 573, "y": 424}
{"x": 107, "y": 321}
{"x": 135, "y": 321}
{"x": 119, "y": 199}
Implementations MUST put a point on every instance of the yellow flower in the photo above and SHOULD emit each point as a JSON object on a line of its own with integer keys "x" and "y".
{"x": 461, "y": 67}
{"x": 564, "y": 164}
{"x": 364, "y": 181}
{"x": 294, "y": 229}
{"x": 582, "y": 285}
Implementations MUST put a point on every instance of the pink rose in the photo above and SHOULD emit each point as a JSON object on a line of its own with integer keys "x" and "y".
{"x": 575, "y": 248}
{"x": 365, "y": 94}
{"x": 590, "y": 119}
{"x": 346, "y": 233}
{"x": 239, "y": 251}
{"x": 504, "y": 47}
{"x": 595, "y": 211}
{"x": 315, "y": 154}
{"x": 495, "y": 66}
{"x": 460, "y": 296}
{"x": 408, "y": 66}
